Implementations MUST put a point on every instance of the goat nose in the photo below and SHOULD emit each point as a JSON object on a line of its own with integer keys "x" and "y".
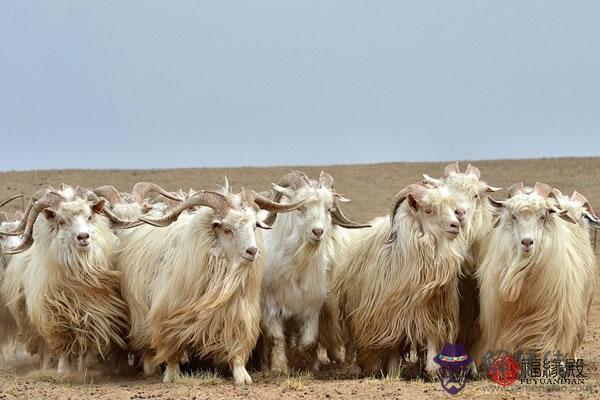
{"x": 251, "y": 251}
{"x": 454, "y": 225}
{"x": 527, "y": 242}
{"x": 83, "y": 236}
{"x": 318, "y": 232}
{"x": 460, "y": 215}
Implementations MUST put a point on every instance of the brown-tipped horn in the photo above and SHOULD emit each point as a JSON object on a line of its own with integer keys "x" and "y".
{"x": 141, "y": 189}
{"x": 110, "y": 193}
{"x": 268, "y": 204}
{"x": 338, "y": 217}
{"x": 207, "y": 198}
{"x": 473, "y": 170}
{"x": 50, "y": 199}
{"x": 326, "y": 180}
{"x": 515, "y": 189}
{"x": 9, "y": 199}
{"x": 542, "y": 189}
{"x": 416, "y": 189}
{"x": 451, "y": 169}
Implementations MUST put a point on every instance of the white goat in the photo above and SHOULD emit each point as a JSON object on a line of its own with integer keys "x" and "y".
{"x": 301, "y": 252}
{"x": 538, "y": 276}
{"x": 63, "y": 291}
{"x": 476, "y": 216}
{"x": 397, "y": 284}
{"x": 194, "y": 286}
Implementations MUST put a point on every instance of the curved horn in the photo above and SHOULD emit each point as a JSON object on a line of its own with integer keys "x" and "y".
{"x": 338, "y": 217}
{"x": 267, "y": 204}
{"x": 414, "y": 188}
{"x": 589, "y": 214}
{"x": 19, "y": 229}
{"x": 429, "y": 181}
{"x": 295, "y": 180}
{"x": 110, "y": 193}
{"x": 141, "y": 189}
{"x": 451, "y": 169}
{"x": 9, "y": 199}
{"x": 50, "y": 199}
{"x": 515, "y": 189}
{"x": 207, "y": 198}
{"x": 473, "y": 170}
{"x": 542, "y": 189}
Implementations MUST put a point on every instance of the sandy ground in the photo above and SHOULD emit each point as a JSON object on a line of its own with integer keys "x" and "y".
{"x": 372, "y": 188}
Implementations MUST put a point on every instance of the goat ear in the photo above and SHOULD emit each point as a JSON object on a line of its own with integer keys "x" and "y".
{"x": 98, "y": 206}
{"x": 563, "y": 214}
{"x": 492, "y": 189}
{"x": 262, "y": 225}
{"x": 341, "y": 198}
{"x": 412, "y": 201}
{"x": 49, "y": 213}
{"x": 146, "y": 207}
{"x": 495, "y": 203}
{"x": 592, "y": 219}
{"x": 283, "y": 190}
{"x": 3, "y": 217}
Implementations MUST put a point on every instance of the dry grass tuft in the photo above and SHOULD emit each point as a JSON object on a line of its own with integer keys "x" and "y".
{"x": 48, "y": 376}
{"x": 296, "y": 380}
{"x": 203, "y": 378}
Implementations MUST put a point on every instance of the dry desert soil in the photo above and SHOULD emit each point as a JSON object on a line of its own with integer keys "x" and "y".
{"x": 371, "y": 188}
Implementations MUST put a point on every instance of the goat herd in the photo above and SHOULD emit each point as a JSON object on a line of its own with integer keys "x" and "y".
{"x": 105, "y": 276}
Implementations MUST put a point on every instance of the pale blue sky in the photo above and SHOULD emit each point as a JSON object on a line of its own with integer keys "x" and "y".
{"x": 148, "y": 84}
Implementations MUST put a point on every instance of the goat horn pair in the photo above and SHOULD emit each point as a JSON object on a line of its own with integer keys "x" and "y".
{"x": 50, "y": 199}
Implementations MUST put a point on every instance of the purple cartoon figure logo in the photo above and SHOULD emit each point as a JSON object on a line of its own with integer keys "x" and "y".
{"x": 454, "y": 365}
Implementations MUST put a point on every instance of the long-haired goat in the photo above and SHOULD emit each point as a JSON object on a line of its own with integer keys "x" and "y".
{"x": 301, "y": 251}
{"x": 476, "y": 216}
{"x": 538, "y": 276}
{"x": 194, "y": 286}
{"x": 65, "y": 281}
{"x": 397, "y": 284}
{"x": 8, "y": 326}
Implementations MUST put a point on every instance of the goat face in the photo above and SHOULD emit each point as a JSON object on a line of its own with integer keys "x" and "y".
{"x": 313, "y": 218}
{"x": 473, "y": 191}
{"x": 527, "y": 216}
{"x": 236, "y": 234}
{"x": 438, "y": 211}
{"x": 72, "y": 223}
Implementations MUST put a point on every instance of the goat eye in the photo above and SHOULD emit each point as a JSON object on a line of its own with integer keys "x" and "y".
{"x": 428, "y": 211}
{"x": 61, "y": 222}
{"x": 514, "y": 217}
{"x": 227, "y": 231}
{"x": 90, "y": 218}
{"x": 543, "y": 218}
